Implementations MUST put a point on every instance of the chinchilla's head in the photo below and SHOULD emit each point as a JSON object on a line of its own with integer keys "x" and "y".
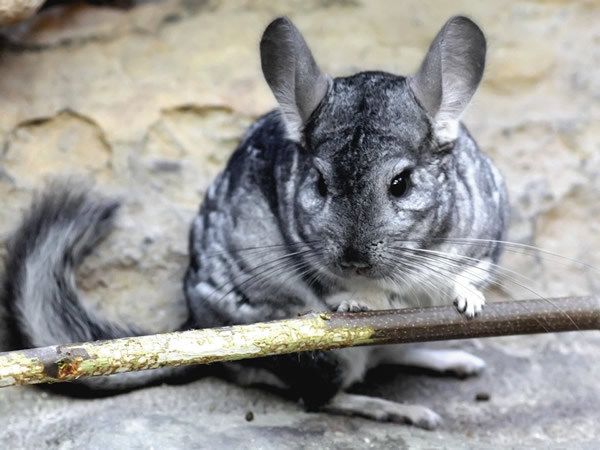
{"x": 376, "y": 149}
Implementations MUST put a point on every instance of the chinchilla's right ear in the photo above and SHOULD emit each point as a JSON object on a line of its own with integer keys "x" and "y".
{"x": 450, "y": 74}
{"x": 292, "y": 74}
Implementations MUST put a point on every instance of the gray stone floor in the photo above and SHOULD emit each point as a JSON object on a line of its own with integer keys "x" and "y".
{"x": 541, "y": 395}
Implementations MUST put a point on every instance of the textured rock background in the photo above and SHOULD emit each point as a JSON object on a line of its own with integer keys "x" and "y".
{"x": 150, "y": 102}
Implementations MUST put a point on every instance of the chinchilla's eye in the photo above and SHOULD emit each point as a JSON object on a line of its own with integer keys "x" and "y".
{"x": 321, "y": 185}
{"x": 400, "y": 184}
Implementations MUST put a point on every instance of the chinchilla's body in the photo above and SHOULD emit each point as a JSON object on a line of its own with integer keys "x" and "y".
{"x": 362, "y": 192}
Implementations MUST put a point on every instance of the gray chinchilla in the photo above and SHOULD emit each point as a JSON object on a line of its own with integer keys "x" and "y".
{"x": 358, "y": 192}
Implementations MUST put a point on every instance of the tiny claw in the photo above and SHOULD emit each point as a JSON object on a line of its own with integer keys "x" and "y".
{"x": 351, "y": 307}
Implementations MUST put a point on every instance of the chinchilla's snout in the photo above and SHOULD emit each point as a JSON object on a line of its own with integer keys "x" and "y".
{"x": 360, "y": 258}
{"x": 356, "y": 259}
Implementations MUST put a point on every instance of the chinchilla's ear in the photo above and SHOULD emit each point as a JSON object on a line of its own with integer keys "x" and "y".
{"x": 450, "y": 74}
{"x": 292, "y": 74}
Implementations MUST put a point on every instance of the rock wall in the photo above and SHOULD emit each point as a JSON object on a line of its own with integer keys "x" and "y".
{"x": 150, "y": 102}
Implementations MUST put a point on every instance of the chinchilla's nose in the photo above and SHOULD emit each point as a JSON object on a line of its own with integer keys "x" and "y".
{"x": 354, "y": 258}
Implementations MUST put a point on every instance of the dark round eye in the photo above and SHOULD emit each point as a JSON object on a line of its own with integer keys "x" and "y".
{"x": 322, "y": 186}
{"x": 400, "y": 184}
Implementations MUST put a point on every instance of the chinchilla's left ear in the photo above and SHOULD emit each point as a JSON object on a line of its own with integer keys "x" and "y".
{"x": 292, "y": 74}
{"x": 450, "y": 74}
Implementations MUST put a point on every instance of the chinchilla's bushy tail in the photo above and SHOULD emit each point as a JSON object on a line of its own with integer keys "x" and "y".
{"x": 42, "y": 304}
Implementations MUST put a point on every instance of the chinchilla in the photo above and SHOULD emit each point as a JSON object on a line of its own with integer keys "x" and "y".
{"x": 358, "y": 192}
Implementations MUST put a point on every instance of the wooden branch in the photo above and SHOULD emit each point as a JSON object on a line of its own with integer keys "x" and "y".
{"x": 311, "y": 332}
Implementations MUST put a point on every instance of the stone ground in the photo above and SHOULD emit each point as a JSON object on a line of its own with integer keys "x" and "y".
{"x": 149, "y": 102}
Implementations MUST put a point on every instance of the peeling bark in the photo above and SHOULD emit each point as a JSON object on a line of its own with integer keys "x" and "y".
{"x": 311, "y": 332}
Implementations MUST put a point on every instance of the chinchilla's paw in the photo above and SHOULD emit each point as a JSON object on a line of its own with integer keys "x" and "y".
{"x": 441, "y": 360}
{"x": 382, "y": 410}
{"x": 351, "y": 306}
{"x": 456, "y": 362}
{"x": 468, "y": 300}
{"x": 463, "y": 364}
{"x": 417, "y": 415}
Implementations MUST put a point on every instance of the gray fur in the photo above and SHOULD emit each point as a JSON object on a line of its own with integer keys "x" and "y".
{"x": 39, "y": 289}
{"x": 303, "y": 217}
{"x": 61, "y": 228}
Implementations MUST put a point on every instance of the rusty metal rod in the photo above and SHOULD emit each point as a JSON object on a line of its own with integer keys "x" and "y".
{"x": 318, "y": 331}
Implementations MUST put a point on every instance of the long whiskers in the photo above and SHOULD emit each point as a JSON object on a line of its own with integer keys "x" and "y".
{"x": 298, "y": 269}
{"x": 460, "y": 268}
{"x": 259, "y": 248}
{"x": 420, "y": 267}
{"x": 269, "y": 269}
{"x": 417, "y": 273}
{"x": 508, "y": 246}
{"x": 459, "y": 260}
{"x": 441, "y": 272}
{"x": 278, "y": 262}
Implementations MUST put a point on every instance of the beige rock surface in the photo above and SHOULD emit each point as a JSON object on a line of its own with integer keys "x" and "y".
{"x": 13, "y": 11}
{"x": 149, "y": 103}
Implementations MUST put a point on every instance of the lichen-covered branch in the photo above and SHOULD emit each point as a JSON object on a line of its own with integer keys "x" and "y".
{"x": 311, "y": 332}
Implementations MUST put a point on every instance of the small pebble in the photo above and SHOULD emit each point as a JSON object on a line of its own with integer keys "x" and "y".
{"x": 482, "y": 396}
{"x": 249, "y": 416}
